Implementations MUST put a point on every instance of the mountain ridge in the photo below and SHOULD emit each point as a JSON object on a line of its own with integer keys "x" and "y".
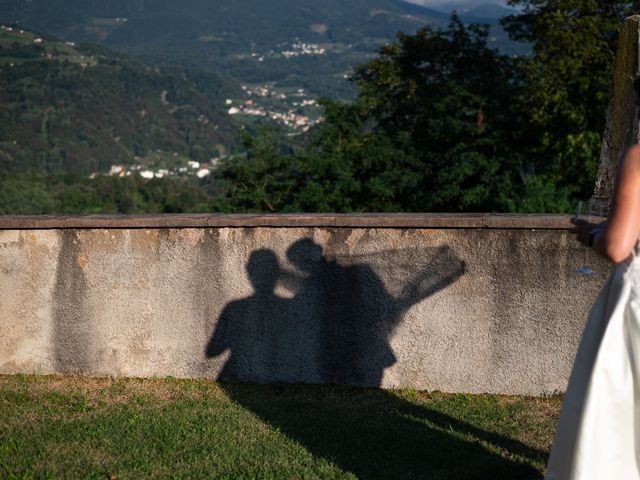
{"x": 470, "y": 11}
{"x": 244, "y": 40}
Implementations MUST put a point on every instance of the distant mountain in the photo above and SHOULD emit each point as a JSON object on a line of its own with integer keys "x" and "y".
{"x": 485, "y": 13}
{"x": 487, "y": 10}
{"x": 470, "y": 10}
{"x": 82, "y": 108}
{"x": 248, "y": 20}
{"x": 288, "y": 44}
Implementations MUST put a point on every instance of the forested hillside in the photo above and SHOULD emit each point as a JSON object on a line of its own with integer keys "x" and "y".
{"x": 441, "y": 120}
{"x": 255, "y": 41}
{"x": 81, "y": 109}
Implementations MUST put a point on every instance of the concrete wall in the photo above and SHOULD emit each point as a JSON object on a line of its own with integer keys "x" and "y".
{"x": 452, "y": 303}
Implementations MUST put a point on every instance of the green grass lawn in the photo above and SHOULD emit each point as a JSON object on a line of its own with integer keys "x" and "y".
{"x": 77, "y": 427}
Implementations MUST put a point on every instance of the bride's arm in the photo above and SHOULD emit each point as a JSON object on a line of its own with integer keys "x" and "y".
{"x": 620, "y": 235}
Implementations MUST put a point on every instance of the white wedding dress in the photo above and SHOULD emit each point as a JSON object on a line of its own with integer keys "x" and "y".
{"x": 598, "y": 434}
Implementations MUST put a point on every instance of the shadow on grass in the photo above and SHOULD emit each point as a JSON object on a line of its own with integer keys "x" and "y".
{"x": 376, "y": 434}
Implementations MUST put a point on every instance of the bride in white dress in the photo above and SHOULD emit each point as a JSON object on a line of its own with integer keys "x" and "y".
{"x": 598, "y": 434}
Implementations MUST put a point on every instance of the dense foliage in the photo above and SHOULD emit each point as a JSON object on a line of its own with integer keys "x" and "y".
{"x": 569, "y": 82}
{"x": 30, "y": 193}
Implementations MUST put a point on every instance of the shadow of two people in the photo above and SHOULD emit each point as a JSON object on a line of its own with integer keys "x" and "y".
{"x": 336, "y": 330}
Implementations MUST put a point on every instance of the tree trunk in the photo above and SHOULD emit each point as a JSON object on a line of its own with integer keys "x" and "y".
{"x": 621, "y": 130}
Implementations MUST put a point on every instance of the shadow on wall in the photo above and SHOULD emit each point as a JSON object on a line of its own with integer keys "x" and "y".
{"x": 336, "y": 329}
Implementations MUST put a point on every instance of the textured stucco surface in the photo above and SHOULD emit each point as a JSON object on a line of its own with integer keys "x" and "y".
{"x": 461, "y": 310}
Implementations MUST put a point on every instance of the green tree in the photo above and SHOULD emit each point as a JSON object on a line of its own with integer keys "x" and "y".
{"x": 262, "y": 181}
{"x": 25, "y": 195}
{"x": 568, "y": 79}
{"x": 448, "y": 99}
{"x": 352, "y": 166}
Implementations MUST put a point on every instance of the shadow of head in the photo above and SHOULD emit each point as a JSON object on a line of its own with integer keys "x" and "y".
{"x": 263, "y": 270}
{"x": 305, "y": 254}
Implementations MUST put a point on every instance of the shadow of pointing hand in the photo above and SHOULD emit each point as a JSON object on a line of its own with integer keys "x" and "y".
{"x": 445, "y": 268}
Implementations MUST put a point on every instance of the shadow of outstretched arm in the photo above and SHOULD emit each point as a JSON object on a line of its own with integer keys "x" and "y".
{"x": 448, "y": 423}
{"x": 444, "y": 270}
